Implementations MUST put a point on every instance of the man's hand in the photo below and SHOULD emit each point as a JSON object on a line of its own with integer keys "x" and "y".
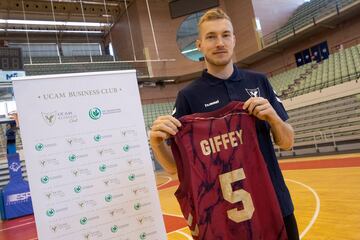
{"x": 163, "y": 127}
{"x": 262, "y": 109}
{"x": 282, "y": 132}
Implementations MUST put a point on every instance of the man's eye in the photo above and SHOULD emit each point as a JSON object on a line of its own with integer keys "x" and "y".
{"x": 210, "y": 37}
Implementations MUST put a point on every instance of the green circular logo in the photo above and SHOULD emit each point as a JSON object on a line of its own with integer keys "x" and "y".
{"x": 102, "y": 167}
{"x": 108, "y": 198}
{"x": 72, "y": 157}
{"x": 50, "y": 212}
{"x": 39, "y": 147}
{"x": 131, "y": 177}
{"x": 137, "y": 206}
{"x": 95, "y": 113}
{"x": 143, "y": 236}
{"x": 45, "y": 179}
{"x": 97, "y": 138}
{"x": 114, "y": 229}
{"x": 126, "y": 148}
{"x": 83, "y": 220}
{"x": 77, "y": 189}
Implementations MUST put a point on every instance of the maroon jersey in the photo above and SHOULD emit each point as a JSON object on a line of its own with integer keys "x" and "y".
{"x": 225, "y": 191}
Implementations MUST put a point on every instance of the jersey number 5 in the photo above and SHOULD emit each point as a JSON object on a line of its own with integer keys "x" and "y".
{"x": 240, "y": 195}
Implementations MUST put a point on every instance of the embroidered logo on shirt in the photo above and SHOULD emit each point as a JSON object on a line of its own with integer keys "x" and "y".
{"x": 212, "y": 103}
{"x": 255, "y": 92}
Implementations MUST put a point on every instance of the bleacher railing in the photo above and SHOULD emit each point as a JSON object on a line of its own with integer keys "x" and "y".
{"x": 291, "y": 28}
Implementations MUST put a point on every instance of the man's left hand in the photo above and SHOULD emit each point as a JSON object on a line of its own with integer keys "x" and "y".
{"x": 261, "y": 108}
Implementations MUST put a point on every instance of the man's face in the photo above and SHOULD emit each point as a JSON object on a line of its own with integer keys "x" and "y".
{"x": 216, "y": 41}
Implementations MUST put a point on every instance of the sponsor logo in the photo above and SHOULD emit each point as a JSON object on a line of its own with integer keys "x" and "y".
{"x": 77, "y": 189}
{"x": 49, "y": 118}
{"x": 212, "y": 103}
{"x": 137, "y": 206}
{"x": 72, "y": 157}
{"x": 17, "y": 198}
{"x": 114, "y": 229}
{"x": 39, "y": 147}
{"x": 253, "y": 92}
{"x": 102, "y": 167}
{"x": 45, "y": 179}
{"x": 14, "y": 167}
{"x": 142, "y": 236}
{"x": 50, "y": 212}
{"x": 131, "y": 177}
{"x": 108, "y": 198}
{"x": 95, "y": 113}
{"x": 83, "y": 220}
{"x": 126, "y": 148}
{"x": 97, "y": 138}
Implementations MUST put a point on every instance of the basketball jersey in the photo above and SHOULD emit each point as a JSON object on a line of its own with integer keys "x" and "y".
{"x": 225, "y": 191}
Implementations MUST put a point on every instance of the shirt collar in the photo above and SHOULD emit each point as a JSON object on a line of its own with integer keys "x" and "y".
{"x": 212, "y": 80}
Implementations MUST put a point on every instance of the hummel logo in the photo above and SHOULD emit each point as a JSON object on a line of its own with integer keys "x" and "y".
{"x": 87, "y": 236}
{"x": 123, "y": 133}
{"x": 130, "y": 162}
{"x": 48, "y": 195}
{"x": 212, "y": 103}
{"x": 81, "y": 204}
{"x": 135, "y": 191}
{"x": 76, "y": 173}
{"x": 42, "y": 163}
{"x": 69, "y": 141}
{"x": 101, "y": 152}
{"x": 106, "y": 182}
{"x": 112, "y": 213}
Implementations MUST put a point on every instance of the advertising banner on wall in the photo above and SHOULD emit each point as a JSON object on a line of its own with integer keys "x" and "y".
{"x": 87, "y": 157}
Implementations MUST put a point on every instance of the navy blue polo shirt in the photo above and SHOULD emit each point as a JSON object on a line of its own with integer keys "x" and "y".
{"x": 209, "y": 93}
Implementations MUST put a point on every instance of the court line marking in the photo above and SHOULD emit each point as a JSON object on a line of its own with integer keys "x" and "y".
{"x": 26, "y": 219}
{"x": 184, "y": 228}
{"x": 317, "y": 210}
{"x": 169, "y": 179}
{"x": 184, "y": 234}
{"x": 173, "y": 215}
{"x": 20, "y": 225}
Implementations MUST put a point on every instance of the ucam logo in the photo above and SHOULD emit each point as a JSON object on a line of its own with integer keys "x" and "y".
{"x": 49, "y": 118}
{"x": 253, "y": 92}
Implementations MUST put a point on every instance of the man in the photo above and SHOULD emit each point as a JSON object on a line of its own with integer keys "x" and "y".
{"x": 220, "y": 84}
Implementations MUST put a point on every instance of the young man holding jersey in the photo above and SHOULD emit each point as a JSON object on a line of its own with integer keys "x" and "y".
{"x": 221, "y": 83}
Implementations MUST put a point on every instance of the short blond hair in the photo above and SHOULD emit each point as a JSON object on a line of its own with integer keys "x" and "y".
{"x": 213, "y": 14}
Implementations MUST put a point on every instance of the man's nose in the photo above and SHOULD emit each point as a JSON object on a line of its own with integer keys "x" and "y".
{"x": 219, "y": 42}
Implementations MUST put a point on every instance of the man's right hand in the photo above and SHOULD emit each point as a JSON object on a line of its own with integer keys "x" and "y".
{"x": 162, "y": 128}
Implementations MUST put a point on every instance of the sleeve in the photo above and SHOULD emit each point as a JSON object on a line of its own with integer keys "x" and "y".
{"x": 181, "y": 107}
{"x": 275, "y": 101}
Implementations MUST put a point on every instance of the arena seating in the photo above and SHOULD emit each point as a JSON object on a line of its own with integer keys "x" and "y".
{"x": 151, "y": 111}
{"x": 77, "y": 64}
{"x": 326, "y": 127}
{"x": 306, "y": 14}
{"x": 340, "y": 67}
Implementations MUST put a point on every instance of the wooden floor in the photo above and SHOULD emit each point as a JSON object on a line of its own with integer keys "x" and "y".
{"x": 325, "y": 191}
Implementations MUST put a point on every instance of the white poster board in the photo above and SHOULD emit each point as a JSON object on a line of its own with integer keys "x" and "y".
{"x": 87, "y": 157}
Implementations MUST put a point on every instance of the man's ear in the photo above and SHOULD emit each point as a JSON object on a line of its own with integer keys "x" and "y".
{"x": 198, "y": 44}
